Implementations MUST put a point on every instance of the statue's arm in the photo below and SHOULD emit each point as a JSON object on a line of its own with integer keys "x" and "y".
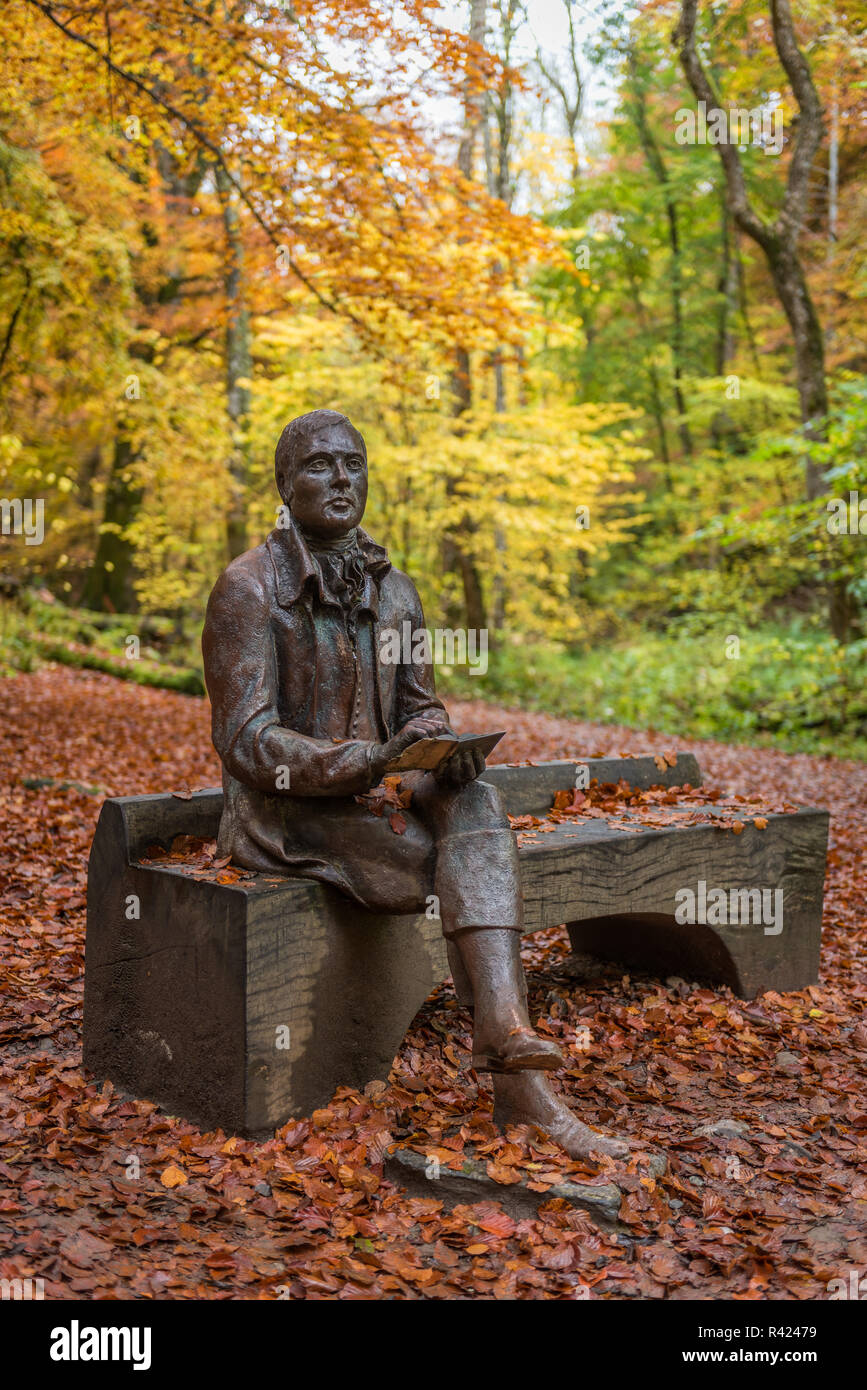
{"x": 416, "y": 687}
{"x": 240, "y": 674}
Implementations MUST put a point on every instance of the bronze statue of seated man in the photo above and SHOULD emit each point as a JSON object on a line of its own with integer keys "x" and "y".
{"x": 306, "y": 717}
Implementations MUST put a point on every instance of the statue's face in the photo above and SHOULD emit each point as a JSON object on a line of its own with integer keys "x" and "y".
{"x": 327, "y": 491}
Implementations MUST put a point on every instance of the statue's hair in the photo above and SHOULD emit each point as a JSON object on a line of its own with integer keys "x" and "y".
{"x": 286, "y": 453}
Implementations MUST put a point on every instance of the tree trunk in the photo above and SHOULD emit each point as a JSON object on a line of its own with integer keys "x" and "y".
{"x": 237, "y": 365}
{"x": 727, "y": 287}
{"x": 653, "y": 378}
{"x": 722, "y": 428}
{"x": 499, "y": 180}
{"x": 795, "y": 297}
{"x": 660, "y": 173}
{"x": 456, "y": 545}
{"x": 113, "y": 588}
{"x": 109, "y": 583}
{"x": 779, "y": 241}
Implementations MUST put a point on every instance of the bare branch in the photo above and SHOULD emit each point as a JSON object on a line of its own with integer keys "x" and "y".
{"x": 741, "y": 208}
{"x": 790, "y": 220}
{"x": 571, "y": 103}
{"x": 811, "y": 126}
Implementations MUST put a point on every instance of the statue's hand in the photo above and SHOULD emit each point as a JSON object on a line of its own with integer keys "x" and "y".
{"x": 465, "y": 765}
{"x": 426, "y": 726}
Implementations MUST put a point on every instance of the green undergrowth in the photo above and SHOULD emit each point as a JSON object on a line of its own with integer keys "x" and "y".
{"x": 791, "y": 687}
{"x": 143, "y": 649}
{"x": 787, "y": 685}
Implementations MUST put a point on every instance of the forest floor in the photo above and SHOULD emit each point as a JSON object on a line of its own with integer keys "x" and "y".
{"x": 103, "y": 1196}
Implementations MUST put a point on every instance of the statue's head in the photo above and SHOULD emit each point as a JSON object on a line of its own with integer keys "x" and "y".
{"x": 320, "y": 464}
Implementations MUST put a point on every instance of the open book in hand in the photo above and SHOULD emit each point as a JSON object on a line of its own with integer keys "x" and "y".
{"x": 427, "y": 753}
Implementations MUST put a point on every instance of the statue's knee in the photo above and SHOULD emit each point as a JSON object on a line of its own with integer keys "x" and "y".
{"x": 474, "y": 806}
{"x": 483, "y": 801}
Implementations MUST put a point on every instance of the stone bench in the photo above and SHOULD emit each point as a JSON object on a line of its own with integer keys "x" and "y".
{"x": 240, "y": 1005}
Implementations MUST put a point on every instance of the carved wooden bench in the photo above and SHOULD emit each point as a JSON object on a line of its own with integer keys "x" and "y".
{"x": 239, "y": 1005}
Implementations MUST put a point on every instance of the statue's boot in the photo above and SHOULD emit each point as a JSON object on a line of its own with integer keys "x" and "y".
{"x": 528, "y": 1099}
{"x": 504, "y": 1040}
{"x": 523, "y": 1050}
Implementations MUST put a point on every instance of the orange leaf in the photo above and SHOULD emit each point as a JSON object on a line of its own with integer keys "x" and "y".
{"x": 173, "y": 1176}
{"x": 497, "y": 1224}
{"x": 500, "y": 1172}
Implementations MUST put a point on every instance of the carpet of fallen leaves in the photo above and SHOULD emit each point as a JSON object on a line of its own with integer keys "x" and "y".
{"x": 759, "y": 1105}
{"x": 631, "y": 810}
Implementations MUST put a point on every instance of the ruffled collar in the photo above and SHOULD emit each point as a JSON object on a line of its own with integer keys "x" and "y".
{"x": 296, "y": 566}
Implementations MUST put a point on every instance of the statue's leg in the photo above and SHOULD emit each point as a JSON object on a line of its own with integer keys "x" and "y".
{"x": 503, "y": 1037}
{"x": 528, "y": 1098}
{"x": 477, "y": 882}
{"x": 462, "y": 982}
{"x": 477, "y": 879}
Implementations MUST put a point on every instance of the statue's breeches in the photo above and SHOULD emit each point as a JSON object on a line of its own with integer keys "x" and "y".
{"x": 457, "y": 847}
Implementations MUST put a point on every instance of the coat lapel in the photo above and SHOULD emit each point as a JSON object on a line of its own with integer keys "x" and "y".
{"x": 295, "y": 569}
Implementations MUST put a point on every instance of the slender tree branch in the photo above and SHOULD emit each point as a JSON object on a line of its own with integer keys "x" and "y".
{"x": 13, "y": 322}
{"x": 741, "y": 209}
{"x": 787, "y": 227}
{"x": 811, "y": 126}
